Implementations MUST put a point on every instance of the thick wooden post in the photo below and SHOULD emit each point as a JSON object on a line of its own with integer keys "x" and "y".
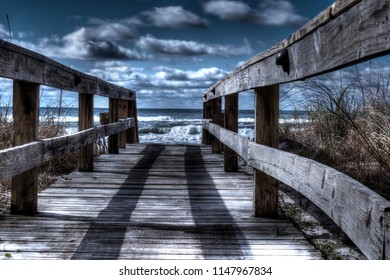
{"x": 231, "y": 123}
{"x": 24, "y": 193}
{"x": 132, "y": 133}
{"x": 85, "y": 161}
{"x": 266, "y": 133}
{"x": 113, "y": 140}
{"x": 206, "y": 136}
{"x": 123, "y": 113}
{"x": 217, "y": 119}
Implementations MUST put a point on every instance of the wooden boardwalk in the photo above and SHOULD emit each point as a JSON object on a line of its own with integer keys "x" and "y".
{"x": 151, "y": 202}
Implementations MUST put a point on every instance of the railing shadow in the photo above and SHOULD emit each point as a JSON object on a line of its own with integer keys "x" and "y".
{"x": 219, "y": 238}
{"x": 104, "y": 241}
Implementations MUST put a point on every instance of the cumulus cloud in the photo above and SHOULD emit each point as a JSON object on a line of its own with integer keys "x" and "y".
{"x": 189, "y": 48}
{"x": 161, "y": 78}
{"x": 173, "y": 17}
{"x": 268, "y": 12}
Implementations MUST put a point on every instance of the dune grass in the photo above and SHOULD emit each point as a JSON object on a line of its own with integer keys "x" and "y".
{"x": 349, "y": 124}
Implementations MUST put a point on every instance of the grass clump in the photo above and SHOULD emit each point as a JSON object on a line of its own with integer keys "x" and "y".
{"x": 50, "y": 126}
{"x": 348, "y": 124}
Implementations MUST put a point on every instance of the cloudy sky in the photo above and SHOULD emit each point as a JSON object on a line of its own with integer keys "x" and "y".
{"x": 169, "y": 51}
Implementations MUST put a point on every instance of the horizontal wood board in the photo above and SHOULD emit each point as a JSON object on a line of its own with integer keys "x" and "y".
{"x": 16, "y": 160}
{"x": 22, "y": 64}
{"x": 151, "y": 202}
{"x": 357, "y": 210}
{"x": 346, "y": 33}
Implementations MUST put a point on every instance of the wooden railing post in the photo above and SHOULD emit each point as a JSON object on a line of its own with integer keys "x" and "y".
{"x": 123, "y": 113}
{"x": 231, "y": 123}
{"x": 24, "y": 193}
{"x": 216, "y": 145}
{"x": 85, "y": 161}
{"x": 206, "y": 136}
{"x": 266, "y": 133}
{"x": 113, "y": 140}
{"x": 132, "y": 133}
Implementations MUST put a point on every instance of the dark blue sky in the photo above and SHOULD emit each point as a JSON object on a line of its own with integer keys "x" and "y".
{"x": 168, "y": 51}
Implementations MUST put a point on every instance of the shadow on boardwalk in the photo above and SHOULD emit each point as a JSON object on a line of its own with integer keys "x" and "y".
{"x": 104, "y": 241}
{"x": 214, "y": 239}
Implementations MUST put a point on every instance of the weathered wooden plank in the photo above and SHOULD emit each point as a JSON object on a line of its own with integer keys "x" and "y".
{"x": 231, "y": 123}
{"x": 356, "y": 209}
{"x": 16, "y": 160}
{"x": 207, "y": 114}
{"x": 151, "y": 221}
{"x": 325, "y": 48}
{"x": 113, "y": 140}
{"x": 85, "y": 161}
{"x": 24, "y": 192}
{"x": 216, "y": 115}
{"x": 123, "y": 113}
{"x": 22, "y": 64}
{"x": 133, "y": 134}
{"x": 386, "y": 226}
{"x": 265, "y": 192}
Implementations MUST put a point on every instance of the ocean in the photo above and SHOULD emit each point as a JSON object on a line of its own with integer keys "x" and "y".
{"x": 175, "y": 126}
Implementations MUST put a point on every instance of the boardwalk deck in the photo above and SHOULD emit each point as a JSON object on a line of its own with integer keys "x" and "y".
{"x": 151, "y": 202}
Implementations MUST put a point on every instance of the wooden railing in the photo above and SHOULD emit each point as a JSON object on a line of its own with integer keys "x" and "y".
{"x": 346, "y": 33}
{"x": 29, "y": 70}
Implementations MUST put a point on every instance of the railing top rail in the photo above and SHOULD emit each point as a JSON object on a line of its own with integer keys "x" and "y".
{"x": 346, "y": 33}
{"x": 19, "y": 63}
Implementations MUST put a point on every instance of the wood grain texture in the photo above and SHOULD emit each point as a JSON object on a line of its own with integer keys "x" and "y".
{"x": 386, "y": 226}
{"x": 113, "y": 140}
{"x": 187, "y": 209}
{"x": 85, "y": 161}
{"x": 231, "y": 123}
{"x": 206, "y": 136}
{"x": 133, "y": 133}
{"x": 16, "y": 160}
{"x": 357, "y": 210}
{"x": 265, "y": 192}
{"x": 24, "y": 192}
{"x": 216, "y": 115}
{"x": 22, "y": 64}
{"x": 123, "y": 113}
{"x": 357, "y": 31}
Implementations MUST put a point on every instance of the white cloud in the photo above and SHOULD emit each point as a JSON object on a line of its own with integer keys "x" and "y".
{"x": 77, "y": 45}
{"x": 268, "y": 12}
{"x": 189, "y": 48}
{"x": 161, "y": 79}
{"x": 174, "y": 17}
{"x": 4, "y": 33}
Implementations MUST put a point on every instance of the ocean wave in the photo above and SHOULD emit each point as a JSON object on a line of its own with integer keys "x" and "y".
{"x": 177, "y": 134}
{"x": 156, "y": 130}
{"x": 246, "y": 120}
{"x": 156, "y": 119}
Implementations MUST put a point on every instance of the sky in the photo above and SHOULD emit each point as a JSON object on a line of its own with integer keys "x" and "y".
{"x": 169, "y": 52}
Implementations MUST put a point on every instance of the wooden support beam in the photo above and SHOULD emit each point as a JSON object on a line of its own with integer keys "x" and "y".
{"x": 85, "y": 161}
{"x": 265, "y": 197}
{"x": 216, "y": 116}
{"x": 206, "y": 136}
{"x": 113, "y": 140}
{"x": 24, "y": 193}
{"x": 231, "y": 123}
{"x": 132, "y": 133}
{"x": 123, "y": 113}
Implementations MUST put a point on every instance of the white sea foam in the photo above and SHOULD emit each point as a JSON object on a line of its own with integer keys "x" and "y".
{"x": 155, "y": 119}
{"x": 177, "y": 134}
